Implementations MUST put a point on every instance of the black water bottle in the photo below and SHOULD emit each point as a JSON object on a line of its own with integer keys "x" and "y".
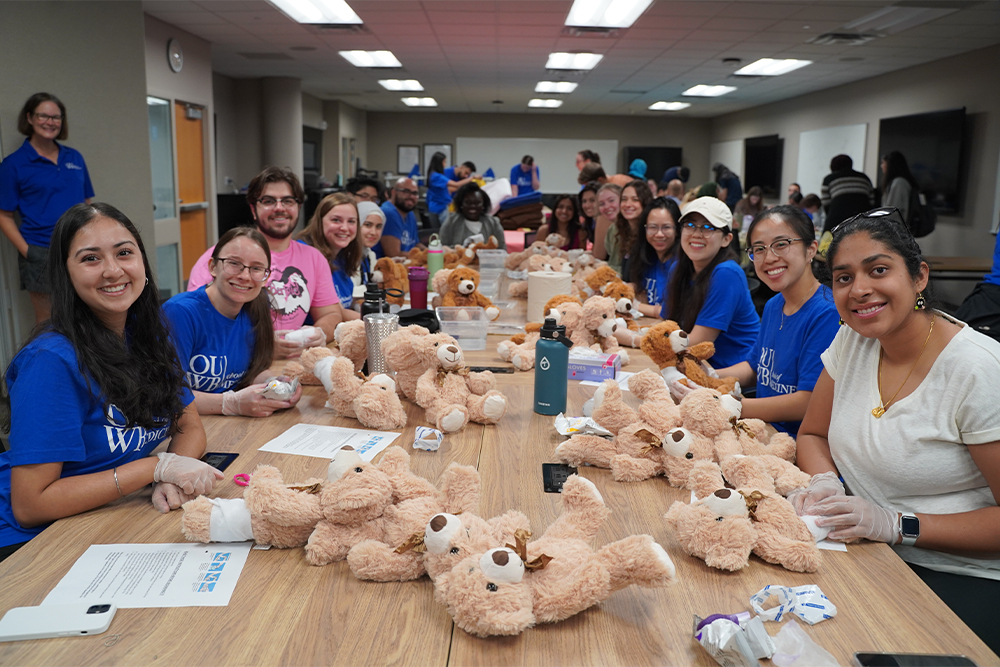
{"x": 374, "y": 301}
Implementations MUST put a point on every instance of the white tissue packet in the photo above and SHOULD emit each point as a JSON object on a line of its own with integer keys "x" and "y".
{"x": 428, "y": 439}
{"x": 582, "y": 425}
{"x": 279, "y": 390}
{"x": 300, "y": 336}
{"x": 807, "y": 602}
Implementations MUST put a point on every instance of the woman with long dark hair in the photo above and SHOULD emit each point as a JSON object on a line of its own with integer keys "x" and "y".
{"x": 653, "y": 254}
{"x": 708, "y": 294}
{"x": 588, "y": 208}
{"x": 96, "y": 388}
{"x": 223, "y": 331}
{"x": 333, "y": 231}
{"x": 897, "y": 182}
{"x": 635, "y": 198}
{"x": 565, "y": 222}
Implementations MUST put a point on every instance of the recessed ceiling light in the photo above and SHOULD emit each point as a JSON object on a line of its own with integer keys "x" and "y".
{"x": 370, "y": 58}
{"x": 772, "y": 67}
{"x": 701, "y": 90}
{"x": 318, "y": 11}
{"x": 400, "y": 84}
{"x": 544, "y": 104}
{"x": 668, "y": 106}
{"x": 606, "y": 13}
{"x": 555, "y": 87}
{"x": 419, "y": 101}
{"x": 580, "y": 61}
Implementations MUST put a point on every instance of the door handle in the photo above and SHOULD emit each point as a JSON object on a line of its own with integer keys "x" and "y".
{"x": 197, "y": 206}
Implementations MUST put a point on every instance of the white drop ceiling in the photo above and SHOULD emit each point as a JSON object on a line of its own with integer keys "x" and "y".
{"x": 469, "y": 53}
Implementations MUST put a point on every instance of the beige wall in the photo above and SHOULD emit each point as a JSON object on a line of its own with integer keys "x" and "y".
{"x": 312, "y": 111}
{"x": 386, "y": 130}
{"x": 93, "y": 60}
{"x": 237, "y": 118}
{"x": 342, "y": 121}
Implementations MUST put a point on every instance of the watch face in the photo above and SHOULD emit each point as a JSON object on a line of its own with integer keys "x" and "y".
{"x": 910, "y": 526}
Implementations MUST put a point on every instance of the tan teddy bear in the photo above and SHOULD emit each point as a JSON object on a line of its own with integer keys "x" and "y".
{"x": 391, "y": 275}
{"x": 373, "y": 402}
{"x": 597, "y": 328}
{"x": 452, "y": 395}
{"x": 519, "y": 350}
{"x": 349, "y": 340}
{"x": 470, "y": 257}
{"x": 504, "y": 591}
{"x": 518, "y": 261}
{"x": 449, "y": 539}
{"x": 463, "y": 292}
{"x": 669, "y": 347}
{"x": 409, "y": 352}
{"x": 717, "y": 416}
{"x": 519, "y": 288}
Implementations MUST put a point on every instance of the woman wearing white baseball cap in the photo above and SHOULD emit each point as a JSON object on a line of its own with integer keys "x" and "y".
{"x": 709, "y": 296}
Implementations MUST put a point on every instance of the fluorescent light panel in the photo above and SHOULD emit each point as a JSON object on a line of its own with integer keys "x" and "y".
{"x": 419, "y": 101}
{"x": 371, "y": 58}
{"x": 555, "y": 87}
{"x": 701, "y": 90}
{"x": 398, "y": 84}
{"x": 318, "y": 11}
{"x": 544, "y": 104}
{"x": 606, "y": 13}
{"x": 668, "y": 106}
{"x": 577, "y": 61}
{"x": 772, "y": 67}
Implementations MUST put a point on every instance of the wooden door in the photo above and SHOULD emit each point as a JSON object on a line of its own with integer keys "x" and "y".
{"x": 193, "y": 203}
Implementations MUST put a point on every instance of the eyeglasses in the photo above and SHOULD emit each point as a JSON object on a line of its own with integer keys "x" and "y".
{"x": 271, "y": 202}
{"x": 44, "y": 117}
{"x": 889, "y": 213}
{"x": 780, "y": 248}
{"x": 653, "y": 231}
{"x": 408, "y": 193}
{"x": 231, "y": 267}
{"x": 706, "y": 227}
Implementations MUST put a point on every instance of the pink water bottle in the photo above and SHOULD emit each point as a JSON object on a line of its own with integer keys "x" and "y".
{"x": 418, "y": 286}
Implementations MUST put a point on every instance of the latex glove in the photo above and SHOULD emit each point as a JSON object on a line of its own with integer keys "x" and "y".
{"x": 286, "y": 349}
{"x": 168, "y": 497}
{"x": 306, "y": 337}
{"x": 190, "y": 475}
{"x": 679, "y": 389}
{"x": 250, "y": 402}
{"x": 823, "y": 485}
{"x": 852, "y": 517}
{"x": 707, "y": 367}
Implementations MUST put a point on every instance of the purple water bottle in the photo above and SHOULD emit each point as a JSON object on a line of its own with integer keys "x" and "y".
{"x": 418, "y": 286}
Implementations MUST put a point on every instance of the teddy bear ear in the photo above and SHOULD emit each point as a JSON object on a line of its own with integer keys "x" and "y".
{"x": 439, "y": 532}
{"x": 502, "y": 565}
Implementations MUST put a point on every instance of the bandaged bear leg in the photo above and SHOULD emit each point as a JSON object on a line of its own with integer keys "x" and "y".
{"x": 216, "y": 520}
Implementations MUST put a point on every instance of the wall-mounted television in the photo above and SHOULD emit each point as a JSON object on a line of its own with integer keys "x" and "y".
{"x": 762, "y": 162}
{"x": 932, "y": 146}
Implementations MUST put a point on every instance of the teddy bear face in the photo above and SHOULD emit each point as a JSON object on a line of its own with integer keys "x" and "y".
{"x": 663, "y": 342}
{"x": 487, "y": 603}
{"x": 449, "y": 356}
{"x": 601, "y": 277}
{"x": 722, "y": 541}
{"x": 463, "y": 281}
{"x": 425, "y": 348}
{"x": 708, "y": 412}
{"x": 623, "y": 295}
{"x": 360, "y": 493}
{"x": 599, "y": 316}
{"x": 451, "y": 539}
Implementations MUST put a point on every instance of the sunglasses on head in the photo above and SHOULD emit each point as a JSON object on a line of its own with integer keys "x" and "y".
{"x": 887, "y": 213}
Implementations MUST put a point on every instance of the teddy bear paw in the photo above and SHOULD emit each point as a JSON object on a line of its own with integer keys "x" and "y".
{"x": 453, "y": 421}
{"x": 504, "y": 349}
{"x": 664, "y": 558}
{"x": 624, "y": 357}
{"x": 492, "y": 313}
{"x": 463, "y": 315}
{"x": 494, "y": 407}
{"x": 522, "y": 362}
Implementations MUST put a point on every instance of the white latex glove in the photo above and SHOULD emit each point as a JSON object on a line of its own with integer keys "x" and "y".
{"x": 190, "y": 475}
{"x": 307, "y": 337}
{"x": 852, "y": 517}
{"x": 250, "y": 402}
{"x": 678, "y": 389}
{"x": 823, "y": 485}
{"x": 168, "y": 497}
{"x": 707, "y": 367}
{"x": 286, "y": 349}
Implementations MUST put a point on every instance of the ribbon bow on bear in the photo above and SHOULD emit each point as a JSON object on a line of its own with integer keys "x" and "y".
{"x": 752, "y": 499}
{"x": 740, "y": 425}
{"x": 521, "y": 537}
{"x": 442, "y": 374}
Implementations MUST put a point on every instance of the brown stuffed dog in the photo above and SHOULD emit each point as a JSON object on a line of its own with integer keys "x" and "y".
{"x": 463, "y": 292}
{"x": 668, "y": 346}
{"x": 391, "y": 275}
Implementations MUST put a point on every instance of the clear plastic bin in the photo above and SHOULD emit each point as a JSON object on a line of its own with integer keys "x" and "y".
{"x": 467, "y": 325}
{"x": 491, "y": 259}
{"x": 489, "y": 282}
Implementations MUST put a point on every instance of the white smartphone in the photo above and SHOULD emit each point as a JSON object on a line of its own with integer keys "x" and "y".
{"x": 56, "y": 620}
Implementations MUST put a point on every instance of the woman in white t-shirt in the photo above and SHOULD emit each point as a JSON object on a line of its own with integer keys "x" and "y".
{"x": 906, "y": 415}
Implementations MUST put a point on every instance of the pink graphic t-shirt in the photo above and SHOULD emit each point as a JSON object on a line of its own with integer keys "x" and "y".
{"x": 300, "y": 280}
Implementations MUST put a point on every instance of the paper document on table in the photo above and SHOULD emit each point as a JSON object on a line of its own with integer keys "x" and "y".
{"x": 137, "y": 576}
{"x": 324, "y": 441}
{"x": 622, "y": 380}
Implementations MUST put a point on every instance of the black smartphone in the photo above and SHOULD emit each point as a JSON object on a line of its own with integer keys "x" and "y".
{"x": 219, "y": 460}
{"x": 554, "y": 475}
{"x": 494, "y": 369}
{"x": 911, "y": 660}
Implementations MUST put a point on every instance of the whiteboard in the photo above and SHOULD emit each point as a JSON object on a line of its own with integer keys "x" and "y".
{"x": 818, "y": 147}
{"x": 556, "y": 158}
{"x": 729, "y": 153}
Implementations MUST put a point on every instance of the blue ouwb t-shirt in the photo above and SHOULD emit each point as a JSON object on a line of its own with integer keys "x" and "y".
{"x": 522, "y": 179}
{"x": 56, "y": 418}
{"x": 42, "y": 191}
{"x": 404, "y": 229}
{"x": 215, "y": 351}
{"x": 993, "y": 277}
{"x": 656, "y": 281}
{"x": 786, "y": 356}
{"x": 344, "y": 285}
{"x": 728, "y": 308}
{"x": 437, "y": 193}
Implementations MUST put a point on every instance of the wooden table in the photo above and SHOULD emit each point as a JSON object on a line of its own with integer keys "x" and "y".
{"x": 287, "y": 612}
{"x": 959, "y": 268}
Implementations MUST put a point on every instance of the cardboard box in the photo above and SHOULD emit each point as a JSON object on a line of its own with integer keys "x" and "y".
{"x": 596, "y": 367}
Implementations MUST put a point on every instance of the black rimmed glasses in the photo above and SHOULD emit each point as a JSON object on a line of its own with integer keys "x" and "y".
{"x": 887, "y": 213}
{"x": 758, "y": 251}
{"x": 231, "y": 267}
{"x": 46, "y": 118}
{"x": 271, "y": 202}
{"x": 705, "y": 227}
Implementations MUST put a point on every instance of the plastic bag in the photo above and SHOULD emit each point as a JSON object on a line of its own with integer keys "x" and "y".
{"x": 794, "y": 647}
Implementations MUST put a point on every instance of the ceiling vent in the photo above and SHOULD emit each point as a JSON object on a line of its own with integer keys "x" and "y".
{"x": 842, "y": 38}
{"x": 582, "y": 31}
{"x": 337, "y": 27}
{"x": 266, "y": 56}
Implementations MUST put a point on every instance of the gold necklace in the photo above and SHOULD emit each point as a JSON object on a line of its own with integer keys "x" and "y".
{"x": 879, "y": 410}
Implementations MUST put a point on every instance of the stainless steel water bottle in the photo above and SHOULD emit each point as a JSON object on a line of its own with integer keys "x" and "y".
{"x": 551, "y": 362}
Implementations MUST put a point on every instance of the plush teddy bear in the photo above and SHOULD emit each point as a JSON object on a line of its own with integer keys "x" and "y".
{"x": 717, "y": 416}
{"x": 595, "y": 282}
{"x": 409, "y": 352}
{"x": 463, "y": 291}
{"x": 669, "y": 347}
{"x": 491, "y": 593}
{"x": 519, "y": 350}
{"x": 597, "y": 328}
{"x": 470, "y": 257}
{"x": 724, "y": 525}
{"x": 416, "y": 257}
{"x": 349, "y": 340}
{"x": 449, "y": 539}
{"x": 518, "y": 261}
{"x": 519, "y": 288}
{"x": 439, "y": 285}
{"x": 373, "y": 402}
{"x": 452, "y": 395}
{"x": 391, "y": 275}
{"x": 624, "y": 297}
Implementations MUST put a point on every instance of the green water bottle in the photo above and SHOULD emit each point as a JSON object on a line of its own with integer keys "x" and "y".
{"x": 435, "y": 255}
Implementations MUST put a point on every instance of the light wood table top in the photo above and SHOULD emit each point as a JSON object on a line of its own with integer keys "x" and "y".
{"x": 286, "y": 612}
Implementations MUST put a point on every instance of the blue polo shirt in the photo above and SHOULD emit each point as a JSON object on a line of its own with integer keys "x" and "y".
{"x": 42, "y": 191}
{"x": 449, "y": 172}
{"x": 404, "y": 229}
{"x": 522, "y": 179}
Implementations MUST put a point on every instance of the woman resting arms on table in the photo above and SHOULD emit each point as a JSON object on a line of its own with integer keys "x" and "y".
{"x": 798, "y": 324}
{"x": 907, "y": 414}
{"x": 96, "y": 388}
{"x": 223, "y": 331}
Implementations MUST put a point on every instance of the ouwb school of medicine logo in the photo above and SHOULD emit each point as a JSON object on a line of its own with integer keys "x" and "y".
{"x": 120, "y": 437}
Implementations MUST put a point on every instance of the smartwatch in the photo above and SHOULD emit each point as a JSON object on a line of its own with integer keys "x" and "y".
{"x": 909, "y": 529}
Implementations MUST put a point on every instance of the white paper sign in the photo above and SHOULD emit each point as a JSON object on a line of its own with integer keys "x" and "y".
{"x": 324, "y": 441}
{"x": 136, "y": 576}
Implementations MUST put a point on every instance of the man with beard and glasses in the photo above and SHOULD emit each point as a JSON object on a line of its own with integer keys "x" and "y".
{"x": 300, "y": 284}
{"x": 400, "y": 232}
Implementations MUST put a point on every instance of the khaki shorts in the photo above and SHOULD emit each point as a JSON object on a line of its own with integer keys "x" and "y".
{"x": 34, "y": 269}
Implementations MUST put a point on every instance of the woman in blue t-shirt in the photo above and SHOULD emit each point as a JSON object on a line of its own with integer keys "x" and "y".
{"x": 653, "y": 253}
{"x": 799, "y": 323}
{"x": 333, "y": 231}
{"x": 441, "y": 189}
{"x": 223, "y": 331}
{"x": 96, "y": 389}
{"x": 708, "y": 294}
